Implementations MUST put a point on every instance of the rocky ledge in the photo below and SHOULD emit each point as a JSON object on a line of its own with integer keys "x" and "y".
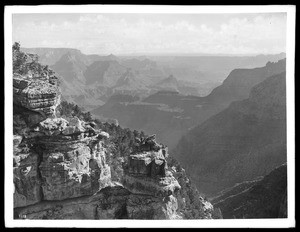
{"x": 40, "y": 95}
{"x": 147, "y": 174}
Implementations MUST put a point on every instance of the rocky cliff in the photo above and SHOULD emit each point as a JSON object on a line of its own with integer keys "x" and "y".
{"x": 64, "y": 167}
{"x": 239, "y": 82}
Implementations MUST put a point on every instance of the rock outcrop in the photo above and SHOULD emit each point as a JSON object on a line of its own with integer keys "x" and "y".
{"x": 63, "y": 168}
{"x": 39, "y": 95}
{"x": 147, "y": 174}
{"x": 58, "y": 165}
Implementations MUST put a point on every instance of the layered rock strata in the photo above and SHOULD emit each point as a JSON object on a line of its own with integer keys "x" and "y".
{"x": 147, "y": 174}
{"x": 40, "y": 95}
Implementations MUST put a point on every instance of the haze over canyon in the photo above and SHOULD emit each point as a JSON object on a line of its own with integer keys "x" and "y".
{"x": 149, "y": 116}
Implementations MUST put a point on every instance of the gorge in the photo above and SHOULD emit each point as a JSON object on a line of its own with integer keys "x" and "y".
{"x": 66, "y": 168}
{"x": 226, "y": 148}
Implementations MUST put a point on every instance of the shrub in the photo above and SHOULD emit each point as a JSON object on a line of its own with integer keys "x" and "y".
{"x": 26, "y": 63}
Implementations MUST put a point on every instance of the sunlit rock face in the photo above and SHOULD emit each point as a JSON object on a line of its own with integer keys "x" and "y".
{"x": 75, "y": 183}
{"x": 147, "y": 173}
{"x": 73, "y": 168}
{"x": 71, "y": 179}
{"x": 39, "y": 95}
{"x": 62, "y": 166}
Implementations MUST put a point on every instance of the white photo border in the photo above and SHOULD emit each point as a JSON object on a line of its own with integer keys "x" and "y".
{"x": 165, "y": 9}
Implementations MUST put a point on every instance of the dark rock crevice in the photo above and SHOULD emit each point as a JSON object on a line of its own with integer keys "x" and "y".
{"x": 122, "y": 213}
{"x": 38, "y": 149}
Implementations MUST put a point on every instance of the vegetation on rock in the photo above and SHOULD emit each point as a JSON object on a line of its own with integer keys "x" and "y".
{"x": 28, "y": 64}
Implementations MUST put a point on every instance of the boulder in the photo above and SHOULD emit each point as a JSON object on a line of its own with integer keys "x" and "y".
{"x": 103, "y": 135}
{"x": 52, "y": 124}
{"x": 75, "y": 126}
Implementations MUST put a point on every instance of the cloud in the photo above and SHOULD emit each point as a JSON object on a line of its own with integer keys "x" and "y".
{"x": 104, "y": 34}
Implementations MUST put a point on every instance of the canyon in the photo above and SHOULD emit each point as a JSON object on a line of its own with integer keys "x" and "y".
{"x": 170, "y": 114}
{"x": 90, "y": 80}
{"x": 242, "y": 142}
{"x": 65, "y": 168}
{"x": 262, "y": 198}
{"x": 228, "y": 148}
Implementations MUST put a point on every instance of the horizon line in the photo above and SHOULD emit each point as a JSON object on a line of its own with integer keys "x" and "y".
{"x": 162, "y": 54}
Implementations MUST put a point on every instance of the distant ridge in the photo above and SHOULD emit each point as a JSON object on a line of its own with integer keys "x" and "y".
{"x": 170, "y": 114}
{"x": 283, "y": 54}
{"x": 245, "y": 140}
{"x": 89, "y": 80}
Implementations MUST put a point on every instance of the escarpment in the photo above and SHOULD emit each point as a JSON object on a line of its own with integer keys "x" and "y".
{"x": 64, "y": 168}
{"x": 241, "y": 143}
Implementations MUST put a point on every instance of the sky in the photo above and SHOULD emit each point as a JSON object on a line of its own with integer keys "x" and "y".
{"x": 131, "y": 33}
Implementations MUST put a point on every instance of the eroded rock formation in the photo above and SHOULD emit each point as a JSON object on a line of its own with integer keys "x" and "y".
{"x": 62, "y": 168}
{"x": 40, "y": 95}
